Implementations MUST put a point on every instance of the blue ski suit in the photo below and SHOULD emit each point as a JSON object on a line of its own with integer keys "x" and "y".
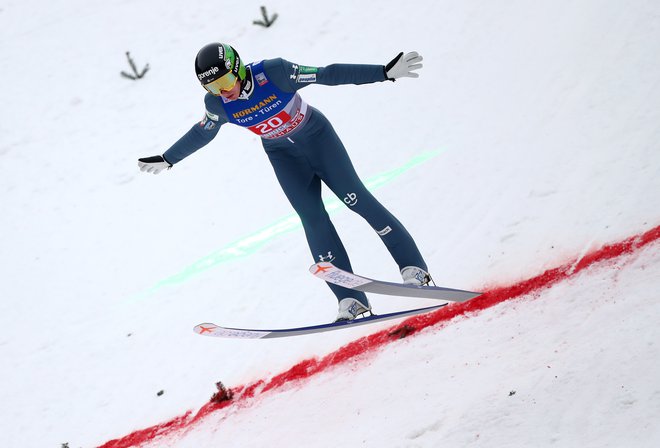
{"x": 304, "y": 151}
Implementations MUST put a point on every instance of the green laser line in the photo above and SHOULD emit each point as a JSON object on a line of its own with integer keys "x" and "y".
{"x": 252, "y": 243}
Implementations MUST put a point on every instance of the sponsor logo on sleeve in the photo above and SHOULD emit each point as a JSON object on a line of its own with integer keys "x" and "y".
{"x": 209, "y": 121}
{"x": 212, "y": 116}
{"x": 385, "y": 231}
{"x": 306, "y": 78}
{"x": 304, "y": 74}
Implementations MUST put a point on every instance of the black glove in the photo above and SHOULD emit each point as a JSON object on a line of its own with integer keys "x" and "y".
{"x": 154, "y": 164}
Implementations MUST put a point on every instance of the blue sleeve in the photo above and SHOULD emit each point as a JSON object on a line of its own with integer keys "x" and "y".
{"x": 291, "y": 77}
{"x": 200, "y": 134}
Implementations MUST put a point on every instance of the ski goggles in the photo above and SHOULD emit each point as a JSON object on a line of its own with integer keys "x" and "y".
{"x": 223, "y": 84}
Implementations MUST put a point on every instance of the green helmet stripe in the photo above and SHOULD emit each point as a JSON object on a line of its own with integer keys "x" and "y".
{"x": 231, "y": 55}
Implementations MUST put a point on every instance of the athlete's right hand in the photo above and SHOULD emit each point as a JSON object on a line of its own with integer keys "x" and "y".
{"x": 154, "y": 164}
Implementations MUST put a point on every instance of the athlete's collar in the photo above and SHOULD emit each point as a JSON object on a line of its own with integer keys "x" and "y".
{"x": 247, "y": 85}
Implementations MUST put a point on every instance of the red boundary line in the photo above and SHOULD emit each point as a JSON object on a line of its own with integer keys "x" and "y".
{"x": 310, "y": 367}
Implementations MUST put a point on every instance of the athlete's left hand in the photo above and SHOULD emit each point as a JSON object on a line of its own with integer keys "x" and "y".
{"x": 403, "y": 66}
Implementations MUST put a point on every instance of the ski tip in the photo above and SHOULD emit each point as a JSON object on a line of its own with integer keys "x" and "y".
{"x": 321, "y": 267}
{"x": 209, "y": 329}
{"x": 206, "y": 328}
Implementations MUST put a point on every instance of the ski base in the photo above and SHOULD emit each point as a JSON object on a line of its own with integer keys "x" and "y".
{"x": 209, "y": 329}
{"x": 332, "y": 274}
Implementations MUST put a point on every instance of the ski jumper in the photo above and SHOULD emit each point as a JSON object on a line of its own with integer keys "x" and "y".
{"x": 304, "y": 151}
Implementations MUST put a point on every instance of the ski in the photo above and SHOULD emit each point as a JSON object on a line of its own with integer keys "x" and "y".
{"x": 331, "y": 273}
{"x": 217, "y": 331}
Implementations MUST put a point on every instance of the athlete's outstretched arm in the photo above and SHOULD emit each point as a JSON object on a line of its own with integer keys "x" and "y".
{"x": 290, "y": 76}
{"x": 197, "y": 137}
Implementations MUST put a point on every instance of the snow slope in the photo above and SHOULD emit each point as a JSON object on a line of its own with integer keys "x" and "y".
{"x": 544, "y": 123}
{"x": 621, "y": 398}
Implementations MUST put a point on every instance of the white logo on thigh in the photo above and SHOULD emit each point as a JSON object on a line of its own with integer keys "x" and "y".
{"x": 327, "y": 258}
{"x": 385, "y": 231}
{"x": 351, "y": 199}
